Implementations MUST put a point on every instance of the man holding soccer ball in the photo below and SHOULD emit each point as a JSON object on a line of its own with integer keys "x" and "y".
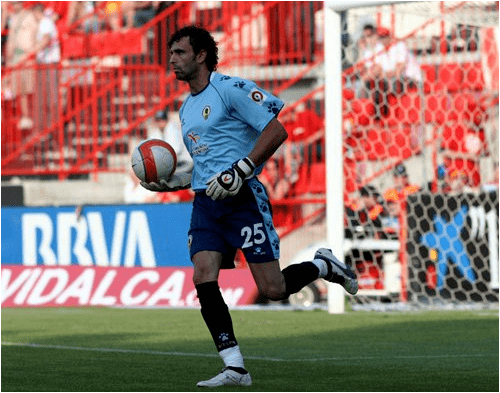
{"x": 230, "y": 128}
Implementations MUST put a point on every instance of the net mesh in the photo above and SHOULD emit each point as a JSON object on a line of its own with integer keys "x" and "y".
{"x": 420, "y": 126}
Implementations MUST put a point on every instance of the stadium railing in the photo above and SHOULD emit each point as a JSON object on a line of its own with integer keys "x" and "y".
{"x": 85, "y": 126}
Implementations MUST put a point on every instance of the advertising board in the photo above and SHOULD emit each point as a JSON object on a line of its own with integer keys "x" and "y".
{"x": 130, "y": 255}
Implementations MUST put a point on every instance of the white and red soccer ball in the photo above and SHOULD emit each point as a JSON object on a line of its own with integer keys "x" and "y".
{"x": 154, "y": 160}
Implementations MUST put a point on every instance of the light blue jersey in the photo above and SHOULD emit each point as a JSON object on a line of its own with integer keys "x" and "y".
{"x": 221, "y": 124}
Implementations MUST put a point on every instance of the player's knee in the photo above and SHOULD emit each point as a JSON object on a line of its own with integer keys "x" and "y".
{"x": 273, "y": 292}
{"x": 203, "y": 274}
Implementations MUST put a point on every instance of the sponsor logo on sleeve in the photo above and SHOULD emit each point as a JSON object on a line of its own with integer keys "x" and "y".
{"x": 257, "y": 96}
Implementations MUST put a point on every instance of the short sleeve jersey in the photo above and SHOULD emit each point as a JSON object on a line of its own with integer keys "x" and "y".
{"x": 221, "y": 124}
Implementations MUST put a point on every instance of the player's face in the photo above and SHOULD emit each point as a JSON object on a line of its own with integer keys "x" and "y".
{"x": 183, "y": 60}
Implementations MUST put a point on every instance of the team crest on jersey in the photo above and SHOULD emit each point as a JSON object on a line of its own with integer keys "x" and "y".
{"x": 206, "y": 112}
{"x": 193, "y": 136}
{"x": 257, "y": 96}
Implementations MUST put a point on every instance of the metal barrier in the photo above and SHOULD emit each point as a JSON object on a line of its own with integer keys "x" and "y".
{"x": 84, "y": 111}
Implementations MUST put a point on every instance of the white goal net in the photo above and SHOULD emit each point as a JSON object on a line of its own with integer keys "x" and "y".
{"x": 419, "y": 121}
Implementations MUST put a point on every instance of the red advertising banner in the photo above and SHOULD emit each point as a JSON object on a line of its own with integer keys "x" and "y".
{"x": 74, "y": 286}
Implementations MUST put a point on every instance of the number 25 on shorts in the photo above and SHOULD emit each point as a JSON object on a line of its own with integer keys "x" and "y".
{"x": 257, "y": 236}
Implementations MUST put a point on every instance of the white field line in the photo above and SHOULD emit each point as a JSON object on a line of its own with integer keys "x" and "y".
{"x": 193, "y": 354}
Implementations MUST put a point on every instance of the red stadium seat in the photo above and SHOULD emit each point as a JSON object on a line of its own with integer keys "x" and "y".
{"x": 317, "y": 184}
{"x": 348, "y": 94}
{"x": 452, "y": 76}
{"x": 473, "y": 77}
{"x": 429, "y": 71}
{"x": 436, "y": 108}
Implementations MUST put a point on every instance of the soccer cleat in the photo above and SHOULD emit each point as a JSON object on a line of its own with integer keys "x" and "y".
{"x": 338, "y": 272}
{"x": 227, "y": 377}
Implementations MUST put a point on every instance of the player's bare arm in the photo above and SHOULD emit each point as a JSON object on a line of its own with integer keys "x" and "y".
{"x": 269, "y": 141}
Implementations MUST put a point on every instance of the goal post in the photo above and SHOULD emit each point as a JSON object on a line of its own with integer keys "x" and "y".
{"x": 333, "y": 138}
{"x": 436, "y": 244}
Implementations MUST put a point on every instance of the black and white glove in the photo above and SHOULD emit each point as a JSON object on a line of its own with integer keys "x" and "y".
{"x": 229, "y": 182}
{"x": 178, "y": 181}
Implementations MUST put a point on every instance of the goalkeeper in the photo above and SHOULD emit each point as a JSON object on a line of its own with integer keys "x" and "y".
{"x": 230, "y": 129}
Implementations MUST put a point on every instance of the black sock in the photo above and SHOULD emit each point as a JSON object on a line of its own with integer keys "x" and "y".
{"x": 297, "y": 276}
{"x": 238, "y": 369}
{"x": 216, "y": 315}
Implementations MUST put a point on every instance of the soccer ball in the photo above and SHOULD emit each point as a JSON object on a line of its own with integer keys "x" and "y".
{"x": 154, "y": 160}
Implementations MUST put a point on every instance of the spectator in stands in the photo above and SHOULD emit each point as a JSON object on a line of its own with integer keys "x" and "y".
{"x": 390, "y": 221}
{"x": 364, "y": 215}
{"x": 118, "y": 15}
{"x": 157, "y": 126}
{"x": 464, "y": 145}
{"x": 304, "y": 128}
{"x": 458, "y": 183}
{"x": 400, "y": 69}
{"x": 20, "y": 46}
{"x": 78, "y": 10}
{"x": 492, "y": 185}
{"x": 60, "y": 10}
{"x": 372, "y": 211}
{"x": 166, "y": 126}
{"x": 143, "y": 12}
{"x": 48, "y": 48}
{"x": 370, "y": 48}
{"x": 402, "y": 186}
{"x": 48, "y": 53}
{"x": 5, "y": 22}
{"x": 278, "y": 187}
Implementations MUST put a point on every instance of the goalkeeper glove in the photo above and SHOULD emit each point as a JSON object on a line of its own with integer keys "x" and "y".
{"x": 229, "y": 182}
{"x": 178, "y": 181}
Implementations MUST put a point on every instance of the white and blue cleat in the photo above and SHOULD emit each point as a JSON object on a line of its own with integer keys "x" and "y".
{"x": 227, "y": 377}
{"x": 338, "y": 272}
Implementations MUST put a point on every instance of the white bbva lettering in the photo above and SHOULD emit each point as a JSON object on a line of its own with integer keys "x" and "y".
{"x": 65, "y": 223}
{"x": 139, "y": 237}
{"x": 99, "y": 239}
{"x": 31, "y": 222}
{"x": 138, "y": 240}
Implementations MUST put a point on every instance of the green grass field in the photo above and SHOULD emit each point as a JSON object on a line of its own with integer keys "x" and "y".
{"x": 101, "y": 349}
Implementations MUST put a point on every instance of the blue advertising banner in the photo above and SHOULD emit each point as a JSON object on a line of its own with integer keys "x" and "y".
{"x": 109, "y": 236}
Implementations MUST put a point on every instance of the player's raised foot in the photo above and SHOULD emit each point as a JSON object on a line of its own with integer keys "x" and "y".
{"x": 338, "y": 272}
{"x": 228, "y": 376}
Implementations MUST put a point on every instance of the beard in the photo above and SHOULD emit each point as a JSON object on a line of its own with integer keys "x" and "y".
{"x": 186, "y": 75}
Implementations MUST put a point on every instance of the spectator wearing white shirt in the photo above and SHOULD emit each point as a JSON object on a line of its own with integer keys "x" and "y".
{"x": 166, "y": 126}
{"x": 399, "y": 65}
{"x": 370, "y": 48}
{"x": 20, "y": 46}
{"x": 48, "y": 56}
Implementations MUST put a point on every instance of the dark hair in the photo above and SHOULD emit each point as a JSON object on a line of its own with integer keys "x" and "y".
{"x": 369, "y": 190}
{"x": 200, "y": 39}
{"x": 399, "y": 170}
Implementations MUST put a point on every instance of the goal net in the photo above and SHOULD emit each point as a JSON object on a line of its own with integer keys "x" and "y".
{"x": 420, "y": 152}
